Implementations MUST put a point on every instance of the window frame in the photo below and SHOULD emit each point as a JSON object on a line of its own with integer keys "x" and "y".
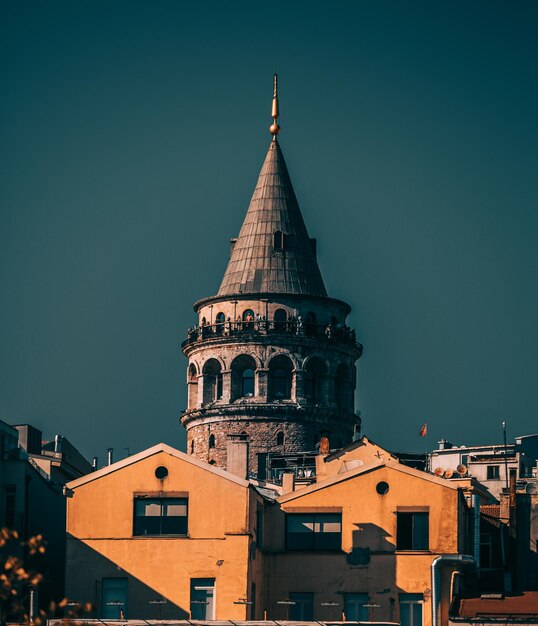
{"x": 495, "y": 471}
{"x": 316, "y": 535}
{"x": 400, "y": 530}
{"x": 183, "y": 501}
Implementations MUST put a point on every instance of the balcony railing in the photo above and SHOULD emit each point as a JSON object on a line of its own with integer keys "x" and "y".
{"x": 227, "y": 329}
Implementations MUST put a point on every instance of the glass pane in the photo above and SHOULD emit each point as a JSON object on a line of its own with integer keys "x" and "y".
{"x": 202, "y": 598}
{"x": 404, "y": 531}
{"x": 147, "y": 507}
{"x": 174, "y": 508}
{"x": 248, "y": 383}
{"x": 354, "y": 607}
{"x": 420, "y": 531}
{"x": 417, "y": 614}
{"x": 300, "y": 523}
{"x": 114, "y": 598}
{"x": 405, "y": 614}
{"x": 303, "y": 609}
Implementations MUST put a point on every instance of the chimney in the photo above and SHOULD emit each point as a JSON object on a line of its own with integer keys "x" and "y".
{"x": 288, "y": 482}
{"x": 110, "y": 456}
{"x": 58, "y": 443}
{"x": 237, "y": 455}
{"x": 95, "y": 463}
{"x": 324, "y": 443}
{"x": 441, "y": 444}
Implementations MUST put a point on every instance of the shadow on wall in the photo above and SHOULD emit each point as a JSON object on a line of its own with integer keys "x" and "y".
{"x": 91, "y": 577}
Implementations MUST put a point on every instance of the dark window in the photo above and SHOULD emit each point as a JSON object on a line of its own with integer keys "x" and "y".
{"x": 314, "y": 531}
{"x": 211, "y": 441}
{"x": 280, "y": 375}
{"x": 493, "y": 472}
{"x": 278, "y": 240}
{"x": 280, "y": 319}
{"x": 10, "y": 495}
{"x": 280, "y": 438}
{"x": 219, "y": 323}
{"x": 192, "y": 447}
{"x": 114, "y": 598}
{"x": 247, "y": 383}
{"x": 248, "y": 315}
{"x": 280, "y": 384}
{"x": 302, "y": 609}
{"x": 412, "y": 531}
{"x": 160, "y": 516}
{"x": 219, "y": 386}
{"x": 259, "y": 526}
{"x": 203, "y": 598}
{"x": 485, "y": 550}
{"x": 354, "y": 607}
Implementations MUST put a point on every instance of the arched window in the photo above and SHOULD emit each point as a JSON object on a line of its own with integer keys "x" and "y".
{"x": 314, "y": 377}
{"x": 211, "y": 441}
{"x": 278, "y": 240}
{"x": 243, "y": 377}
{"x": 280, "y": 438}
{"x": 219, "y": 323}
{"x": 192, "y": 386}
{"x": 280, "y": 375}
{"x": 212, "y": 377}
{"x": 310, "y": 324}
{"x": 243, "y": 435}
{"x": 280, "y": 319}
{"x": 344, "y": 388}
{"x": 248, "y": 315}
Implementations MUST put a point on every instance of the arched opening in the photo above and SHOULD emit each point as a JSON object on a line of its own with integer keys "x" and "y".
{"x": 310, "y": 324}
{"x": 344, "y": 388}
{"x": 280, "y": 375}
{"x": 243, "y": 377}
{"x": 248, "y": 319}
{"x": 314, "y": 378}
{"x": 280, "y": 438}
{"x": 211, "y": 442}
{"x": 219, "y": 323}
{"x": 192, "y": 387}
{"x": 212, "y": 381}
{"x": 281, "y": 318}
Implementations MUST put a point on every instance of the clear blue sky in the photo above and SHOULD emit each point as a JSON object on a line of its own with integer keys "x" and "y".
{"x": 132, "y": 134}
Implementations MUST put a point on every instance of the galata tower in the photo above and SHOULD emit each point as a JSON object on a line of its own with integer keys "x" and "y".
{"x": 271, "y": 360}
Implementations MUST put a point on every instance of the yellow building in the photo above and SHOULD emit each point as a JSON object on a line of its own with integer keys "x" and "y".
{"x": 164, "y": 534}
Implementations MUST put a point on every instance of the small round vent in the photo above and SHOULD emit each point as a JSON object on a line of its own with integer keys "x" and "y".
{"x": 382, "y": 488}
{"x": 161, "y": 472}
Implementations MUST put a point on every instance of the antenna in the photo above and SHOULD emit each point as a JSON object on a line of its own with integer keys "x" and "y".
{"x": 461, "y": 469}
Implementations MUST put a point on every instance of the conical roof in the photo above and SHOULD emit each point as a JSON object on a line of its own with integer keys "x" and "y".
{"x": 263, "y": 261}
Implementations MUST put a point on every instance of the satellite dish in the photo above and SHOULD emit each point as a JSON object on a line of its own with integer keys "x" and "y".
{"x": 461, "y": 469}
{"x": 531, "y": 488}
{"x": 449, "y": 473}
{"x": 438, "y": 471}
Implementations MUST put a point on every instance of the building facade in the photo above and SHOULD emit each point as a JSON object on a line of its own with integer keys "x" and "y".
{"x": 271, "y": 358}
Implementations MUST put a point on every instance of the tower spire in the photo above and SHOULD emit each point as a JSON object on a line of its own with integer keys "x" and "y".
{"x": 274, "y": 129}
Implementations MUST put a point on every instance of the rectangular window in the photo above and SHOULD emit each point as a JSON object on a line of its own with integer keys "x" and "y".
{"x": 485, "y": 550}
{"x": 259, "y": 526}
{"x": 10, "y": 499}
{"x": 354, "y": 607}
{"x": 114, "y": 598}
{"x": 160, "y": 516}
{"x": 314, "y": 531}
{"x": 303, "y": 608}
{"x": 411, "y": 609}
{"x": 493, "y": 472}
{"x": 412, "y": 531}
{"x": 203, "y": 598}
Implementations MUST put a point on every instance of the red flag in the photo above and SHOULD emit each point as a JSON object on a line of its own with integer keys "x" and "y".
{"x": 424, "y": 430}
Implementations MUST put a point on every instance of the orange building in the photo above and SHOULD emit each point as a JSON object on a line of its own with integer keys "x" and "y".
{"x": 164, "y": 534}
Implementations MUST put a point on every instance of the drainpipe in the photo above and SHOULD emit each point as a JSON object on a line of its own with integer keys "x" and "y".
{"x": 475, "y": 499}
{"x": 436, "y": 579}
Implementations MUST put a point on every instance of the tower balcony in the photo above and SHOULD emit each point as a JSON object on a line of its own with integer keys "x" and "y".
{"x": 259, "y": 329}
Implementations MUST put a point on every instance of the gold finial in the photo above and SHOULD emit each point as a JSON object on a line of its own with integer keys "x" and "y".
{"x": 274, "y": 129}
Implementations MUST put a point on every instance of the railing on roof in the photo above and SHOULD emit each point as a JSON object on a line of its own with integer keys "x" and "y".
{"x": 330, "y": 332}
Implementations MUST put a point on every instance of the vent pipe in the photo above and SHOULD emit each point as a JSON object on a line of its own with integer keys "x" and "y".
{"x": 58, "y": 443}
{"x": 110, "y": 456}
{"x": 436, "y": 579}
{"x": 95, "y": 463}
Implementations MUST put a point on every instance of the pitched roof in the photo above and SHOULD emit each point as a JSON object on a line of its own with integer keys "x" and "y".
{"x": 160, "y": 447}
{"x": 255, "y": 266}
